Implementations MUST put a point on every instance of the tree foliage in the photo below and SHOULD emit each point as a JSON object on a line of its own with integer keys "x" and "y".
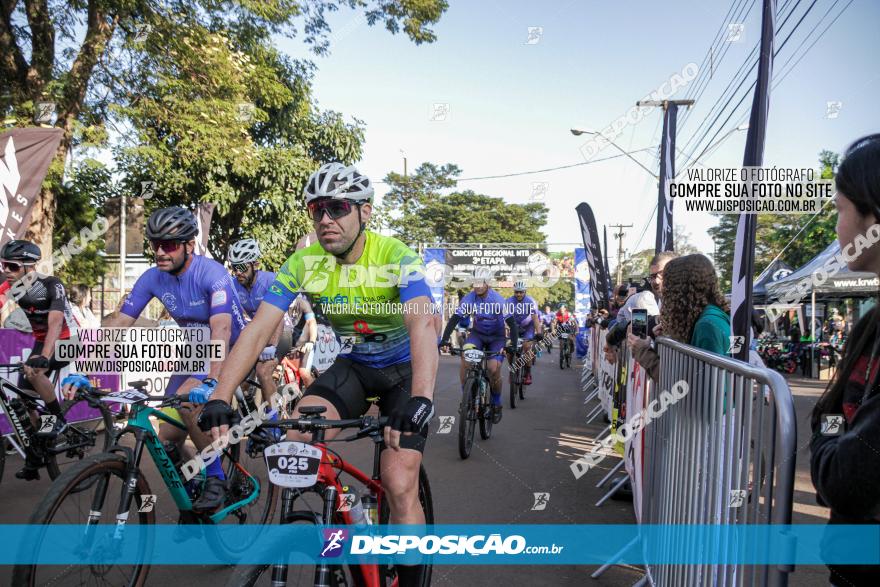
{"x": 168, "y": 81}
{"x": 416, "y": 210}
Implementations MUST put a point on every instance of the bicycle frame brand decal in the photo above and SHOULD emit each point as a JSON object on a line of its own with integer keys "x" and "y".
{"x": 125, "y": 396}
{"x": 334, "y": 541}
{"x": 293, "y": 464}
{"x": 13, "y": 417}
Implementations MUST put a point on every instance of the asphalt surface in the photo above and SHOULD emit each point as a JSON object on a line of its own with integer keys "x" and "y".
{"x": 529, "y": 452}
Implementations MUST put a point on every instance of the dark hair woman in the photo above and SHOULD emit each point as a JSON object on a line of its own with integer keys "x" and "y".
{"x": 694, "y": 310}
{"x": 845, "y": 467}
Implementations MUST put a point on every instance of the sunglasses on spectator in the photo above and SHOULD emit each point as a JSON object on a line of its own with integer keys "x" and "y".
{"x": 167, "y": 246}
{"x": 240, "y": 268}
{"x": 655, "y": 276}
{"x": 335, "y": 208}
{"x": 10, "y": 266}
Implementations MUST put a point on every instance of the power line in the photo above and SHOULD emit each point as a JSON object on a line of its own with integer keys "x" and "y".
{"x": 519, "y": 173}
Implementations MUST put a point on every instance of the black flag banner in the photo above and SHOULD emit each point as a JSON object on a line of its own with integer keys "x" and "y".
{"x": 25, "y": 155}
{"x": 744, "y": 252}
{"x": 664, "y": 241}
{"x": 203, "y": 217}
{"x": 598, "y": 277}
{"x": 605, "y": 257}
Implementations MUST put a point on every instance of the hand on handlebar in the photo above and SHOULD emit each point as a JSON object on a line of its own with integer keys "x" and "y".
{"x": 202, "y": 393}
{"x": 72, "y": 383}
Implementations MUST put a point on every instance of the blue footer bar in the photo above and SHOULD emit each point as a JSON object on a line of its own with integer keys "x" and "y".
{"x": 304, "y": 544}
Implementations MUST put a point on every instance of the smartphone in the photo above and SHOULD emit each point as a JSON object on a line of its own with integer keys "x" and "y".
{"x": 640, "y": 322}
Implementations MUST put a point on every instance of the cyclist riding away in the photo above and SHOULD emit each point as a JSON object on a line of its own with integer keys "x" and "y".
{"x": 488, "y": 314}
{"x": 387, "y": 352}
{"x": 251, "y": 285}
{"x": 196, "y": 291}
{"x": 525, "y": 312}
{"x": 45, "y": 304}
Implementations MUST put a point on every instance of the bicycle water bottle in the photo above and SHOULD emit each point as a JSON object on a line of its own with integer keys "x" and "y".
{"x": 358, "y": 517}
{"x": 21, "y": 414}
{"x": 370, "y": 506}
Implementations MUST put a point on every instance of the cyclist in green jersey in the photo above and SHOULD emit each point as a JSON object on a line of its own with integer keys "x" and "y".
{"x": 372, "y": 290}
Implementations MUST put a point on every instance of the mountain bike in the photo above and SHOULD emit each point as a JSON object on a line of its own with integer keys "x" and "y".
{"x": 516, "y": 374}
{"x": 73, "y": 442}
{"x": 112, "y": 488}
{"x": 313, "y": 493}
{"x": 476, "y": 401}
{"x": 564, "y": 351}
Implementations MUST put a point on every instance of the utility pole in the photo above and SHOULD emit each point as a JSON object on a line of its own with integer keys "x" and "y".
{"x": 619, "y": 236}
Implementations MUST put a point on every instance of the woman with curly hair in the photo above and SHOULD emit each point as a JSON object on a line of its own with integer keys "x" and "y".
{"x": 694, "y": 310}
{"x": 845, "y": 466}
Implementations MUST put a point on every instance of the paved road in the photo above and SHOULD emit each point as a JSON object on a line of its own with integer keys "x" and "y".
{"x": 529, "y": 452}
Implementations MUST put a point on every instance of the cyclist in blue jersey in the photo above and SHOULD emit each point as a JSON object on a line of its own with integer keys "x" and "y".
{"x": 488, "y": 313}
{"x": 384, "y": 319}
{"x": 196, "y": 291}
{"x": 251, "y": 285}
{"x": 547, "y": 318}
{"x": 525, "y": 312}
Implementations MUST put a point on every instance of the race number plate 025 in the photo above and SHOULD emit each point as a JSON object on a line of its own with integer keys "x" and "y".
{"x": 293, "y": 464}
{"x": 125, "y": 396}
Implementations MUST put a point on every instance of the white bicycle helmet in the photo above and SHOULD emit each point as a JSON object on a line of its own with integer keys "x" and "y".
{"x": 244, "y": 251}
{"x": 483, "y": 275}
{"x": 519, "y": 286}
{"x": 335, "y": 180}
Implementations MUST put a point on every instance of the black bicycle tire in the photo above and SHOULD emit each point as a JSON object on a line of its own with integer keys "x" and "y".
{"x": 486, "y": 420}
{"x": 106, "y": 416}
{"x": 2, "y": 457}
{"x": 22, "y": 575}
{"x": 513, "y": 385}
{"x": 466, "y": 423}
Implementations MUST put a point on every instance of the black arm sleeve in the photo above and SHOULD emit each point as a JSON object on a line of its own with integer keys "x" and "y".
{"x": 514, "y": 331}
{"x": 846, "y": 468}
{"x": 450, "y": 326}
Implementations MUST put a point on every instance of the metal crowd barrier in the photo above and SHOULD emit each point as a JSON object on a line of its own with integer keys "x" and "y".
{"x": 722, "y": 454}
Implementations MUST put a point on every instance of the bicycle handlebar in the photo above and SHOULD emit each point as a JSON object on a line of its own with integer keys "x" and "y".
{"x": 367, "y": 424}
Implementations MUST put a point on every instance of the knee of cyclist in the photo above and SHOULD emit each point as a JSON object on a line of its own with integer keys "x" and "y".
{"x": 397, "y": 486}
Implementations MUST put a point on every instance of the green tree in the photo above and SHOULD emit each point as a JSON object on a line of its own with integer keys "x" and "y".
{"x": 90, "y": 58}
{"x": 415, "y": 210}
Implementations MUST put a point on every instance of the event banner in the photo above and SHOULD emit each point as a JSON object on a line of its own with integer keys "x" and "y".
{"x": 506, "y": 264}
{"x": 593, "y": 250}
{"x": 25, "y": 155}
{"x": 636, "y": 400}
{"x": 581, "y": 298}
{"x": 434, "y": 259}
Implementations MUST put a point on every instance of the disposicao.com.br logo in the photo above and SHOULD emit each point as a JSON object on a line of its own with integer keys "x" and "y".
{"x": 480, "y": 544}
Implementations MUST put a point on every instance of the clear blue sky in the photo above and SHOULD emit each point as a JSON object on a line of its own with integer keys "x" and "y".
{"x": 511, "y": 104}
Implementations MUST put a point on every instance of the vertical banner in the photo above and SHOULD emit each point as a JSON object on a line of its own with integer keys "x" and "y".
{"x": 598, "y": 277}
{"x": 664, "y": 241}
{"x": 636, "y": 393}
{"x": 435, "y": 260}
{"x": 25, "y": 156}
{"x": 203, "y": 218}
{"x": 744, "y": 250}
{"x": 582, "y": 287}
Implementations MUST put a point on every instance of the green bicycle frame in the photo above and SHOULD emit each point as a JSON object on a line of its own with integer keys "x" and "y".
{"x": 139, "y": 420}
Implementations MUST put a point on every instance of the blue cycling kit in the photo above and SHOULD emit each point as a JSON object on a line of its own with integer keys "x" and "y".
{"x": 522, "y": 312}
{"x": 487, "y": 312}
{"x": 192, "y": 297}
{"x": 253, "y": 297}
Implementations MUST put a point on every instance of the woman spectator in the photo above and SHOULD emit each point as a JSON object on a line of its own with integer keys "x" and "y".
{"x": 694, "y": 310}
{"x": 80, "y": 306}
{"x": 845, "y": 462}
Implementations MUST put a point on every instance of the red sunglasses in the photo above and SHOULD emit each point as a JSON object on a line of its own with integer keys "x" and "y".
{"x": 166, "y": 246}
{"x": 335, "y": 208}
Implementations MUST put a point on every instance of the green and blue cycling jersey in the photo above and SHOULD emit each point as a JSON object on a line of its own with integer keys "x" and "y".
{"x": 363, "y": 301}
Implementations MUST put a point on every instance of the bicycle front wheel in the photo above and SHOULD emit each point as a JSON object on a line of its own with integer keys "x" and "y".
{"x": 67, "y": 503}
{"x": 514, "y": 384}
{"x": 486, "y": 414}
{"x": 467, "y": 417}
